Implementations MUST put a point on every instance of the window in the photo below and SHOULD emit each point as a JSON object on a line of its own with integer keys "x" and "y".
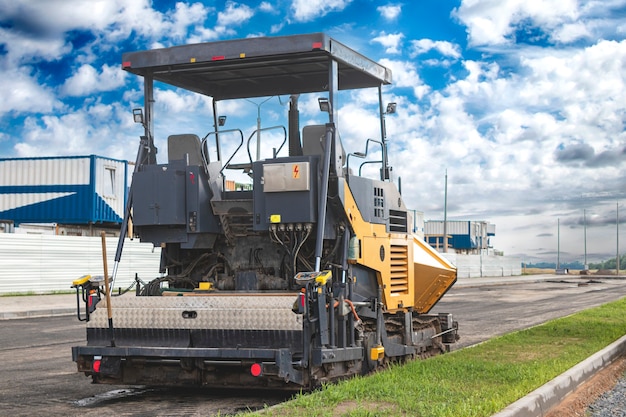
{"x": 109, "y": 181}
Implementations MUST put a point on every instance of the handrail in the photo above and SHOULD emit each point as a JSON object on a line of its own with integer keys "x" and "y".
{"x": 216, "y": 133}
{"x": 267, "y": 128}
{"x": 368, "y": 162}
{"x": 363, "y": 155}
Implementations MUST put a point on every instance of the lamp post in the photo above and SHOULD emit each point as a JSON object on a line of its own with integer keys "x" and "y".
{"x": 445, "y": 215}
{"x": 558, "y": 244}
{"x": 258, "y": 125}
{"x": 585, "y": 267}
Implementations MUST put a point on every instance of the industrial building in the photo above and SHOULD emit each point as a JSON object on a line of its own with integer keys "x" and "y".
{"x": 464, "y": 236}
{"x": 469, "y": 248}
{"x": 69, "y": 195}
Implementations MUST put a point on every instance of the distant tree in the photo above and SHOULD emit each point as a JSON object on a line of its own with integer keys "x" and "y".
{"x": 552, "y": 265}
{"x": 610, "y": 263}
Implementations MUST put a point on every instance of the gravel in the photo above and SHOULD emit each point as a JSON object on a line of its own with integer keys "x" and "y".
{"x": 612, "y": 403}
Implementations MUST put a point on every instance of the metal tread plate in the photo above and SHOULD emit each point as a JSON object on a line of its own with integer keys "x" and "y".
{"x": 239, "y": 312}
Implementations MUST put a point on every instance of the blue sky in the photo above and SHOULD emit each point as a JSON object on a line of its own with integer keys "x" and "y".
{"x": 522, "y": 102}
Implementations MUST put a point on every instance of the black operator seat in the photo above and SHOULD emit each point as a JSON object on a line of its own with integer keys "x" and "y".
{"x": 313, "y": 140}
{"x": 179, "y": 145}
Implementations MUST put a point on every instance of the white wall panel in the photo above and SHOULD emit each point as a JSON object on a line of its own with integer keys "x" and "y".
{"x": 473, "y": 266}
{"x": 42, "y": 263}
{"x": 45, "y": 171}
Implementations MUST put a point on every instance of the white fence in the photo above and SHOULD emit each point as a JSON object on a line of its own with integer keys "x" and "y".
{"x": 43, "y": 264}
{"x": 472, "y": 266}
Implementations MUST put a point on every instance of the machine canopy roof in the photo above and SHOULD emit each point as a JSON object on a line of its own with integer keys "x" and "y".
{"x": 257, "y": 67}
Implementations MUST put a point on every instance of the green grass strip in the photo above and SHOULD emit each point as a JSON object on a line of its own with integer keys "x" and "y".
{"x": 476, "y": 381}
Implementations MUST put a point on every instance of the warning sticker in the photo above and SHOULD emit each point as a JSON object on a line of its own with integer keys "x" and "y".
{"x": 296, "y": 171}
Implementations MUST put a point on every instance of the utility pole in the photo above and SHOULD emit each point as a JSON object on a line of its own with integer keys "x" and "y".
{"x": 258, "y": 125}
{"x": 617, "y": 229}
{"x": 445, "y": 215}
{"x": 585, "y": 267}
{"x": 558, "y": 243}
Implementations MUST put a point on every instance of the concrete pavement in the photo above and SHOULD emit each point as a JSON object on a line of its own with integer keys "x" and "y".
{"x": 47, "y": 305}
{"x": 534, "y": 404}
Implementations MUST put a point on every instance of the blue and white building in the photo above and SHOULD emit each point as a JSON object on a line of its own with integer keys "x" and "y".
{"x": 70, "y": 190}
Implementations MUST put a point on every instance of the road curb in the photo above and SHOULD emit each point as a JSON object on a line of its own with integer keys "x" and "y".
{"x": 55, "y": 312}
{"x": 541, "y": 400}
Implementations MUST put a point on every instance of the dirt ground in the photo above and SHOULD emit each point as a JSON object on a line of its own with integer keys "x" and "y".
{"x": 576, "y": 404}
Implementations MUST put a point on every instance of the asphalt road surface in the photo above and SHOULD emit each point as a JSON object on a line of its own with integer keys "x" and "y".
{"x": 38, "y": 377}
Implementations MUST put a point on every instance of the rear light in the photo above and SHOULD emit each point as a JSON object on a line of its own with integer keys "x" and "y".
{"x": 256, "y": 369}
{"x": 97, "y": 361}
{"x": 302, "y": 300}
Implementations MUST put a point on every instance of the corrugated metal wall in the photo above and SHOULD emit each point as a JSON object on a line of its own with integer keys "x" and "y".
{"x": 472, "y": 266}
{"x": 455, "y": 227}
{"x": 42, "y": 264}
{"x": 44, "y": 171}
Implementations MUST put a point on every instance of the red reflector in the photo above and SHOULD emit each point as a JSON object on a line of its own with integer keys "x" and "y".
{"x": 317, "y": 45}
{"x": 126, "y": 64}
{"x": 217, "y": 58}
{"x": 302, "y": 298}
{"x": 96, "y": 365}
{"x": 256, "y": 369}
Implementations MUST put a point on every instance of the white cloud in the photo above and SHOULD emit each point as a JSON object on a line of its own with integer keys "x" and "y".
{"x": 392, "y": 42}
{"x": 390, "y": 11}
{"x": 234, "y": 14}
{"x": 267, "y": 7}
{"x": 494, "y": 22}
{"x": 23, "y": 48}
{"x": 422, "y": 46}
{"x": 39, "y": 29}
{"x": 81, "y": 132}
{"x": 405, "y": 74}
{"x": 307, "y": 10}
{"x": 88, "y": 80}
{"x": 23, "y": 94}
{"x": 569, "y": 33}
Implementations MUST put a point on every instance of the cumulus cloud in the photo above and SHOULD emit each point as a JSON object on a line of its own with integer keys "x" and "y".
{"x": 75, "y": 133}
{"x": 234, "y": 14}
{"x": 496, "y": 22}
{"x": 392, "y": 42}
{"x": 266, "y": 7}
{"x": 390, "y": 11}
{"x": 445, "y": 48}
{"x": 23, "y": 94}
{"x": 307, "y": 10}
{"x": 405, "y": 75}
{"x": 39, "y": 29}
{"x": 88, "y": 80}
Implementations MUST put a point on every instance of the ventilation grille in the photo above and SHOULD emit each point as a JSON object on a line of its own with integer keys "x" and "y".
{"x": 399, "y": 269}
{"x": 397, "y": 221}
{"x": 379, "y": 203}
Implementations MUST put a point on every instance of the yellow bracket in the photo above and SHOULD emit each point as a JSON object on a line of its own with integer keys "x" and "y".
{"x": 81, "y": 281}
{"x": 205, "y": 286}
{"x": 377, "y": 352}
{"x": 323, "y": 277}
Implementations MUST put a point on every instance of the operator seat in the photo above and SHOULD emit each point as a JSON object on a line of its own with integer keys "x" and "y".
{"x": 312, "y": 140}
{"x": 179, "y": 145}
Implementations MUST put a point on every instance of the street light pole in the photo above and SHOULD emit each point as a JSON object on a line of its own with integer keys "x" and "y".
{"x": 258, "y": 125}
{"x": 558, "y": 243}
{"x": 445, "y": 215}
{"x": 586, "y": 267}
{"x": 617, "y": 229}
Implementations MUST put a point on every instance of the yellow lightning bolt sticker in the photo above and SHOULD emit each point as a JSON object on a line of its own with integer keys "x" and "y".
{"x": 296, "y": 171}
